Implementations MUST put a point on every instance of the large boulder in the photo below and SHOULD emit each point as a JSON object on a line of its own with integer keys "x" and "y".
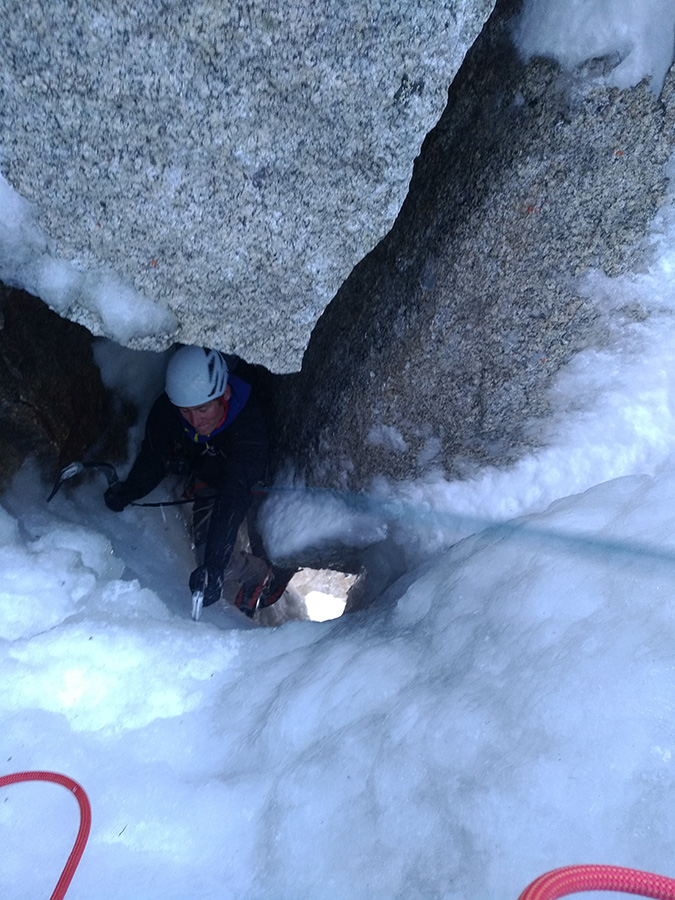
{"x": 440, "y": 347}
{"x": 230, "y": 162}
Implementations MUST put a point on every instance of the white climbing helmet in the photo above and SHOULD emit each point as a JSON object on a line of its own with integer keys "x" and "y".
{"x": 195, "y": 375}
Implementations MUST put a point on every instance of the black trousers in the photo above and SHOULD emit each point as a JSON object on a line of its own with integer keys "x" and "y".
{"x": 228, "y": 538}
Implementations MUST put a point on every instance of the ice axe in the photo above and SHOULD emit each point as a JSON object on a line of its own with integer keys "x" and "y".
{"x": 198, "y": 593}
{"x": 76, "y": 468}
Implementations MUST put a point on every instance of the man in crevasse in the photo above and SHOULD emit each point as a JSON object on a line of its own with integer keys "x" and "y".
{"x": 211, "y": 425}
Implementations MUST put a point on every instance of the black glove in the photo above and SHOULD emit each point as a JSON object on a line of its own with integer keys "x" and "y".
{"x": 210, "y": 580}
{"x": 116, "y": 498}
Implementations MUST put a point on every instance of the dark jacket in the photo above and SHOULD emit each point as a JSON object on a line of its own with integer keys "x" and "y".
{"x": 229, "y": 463}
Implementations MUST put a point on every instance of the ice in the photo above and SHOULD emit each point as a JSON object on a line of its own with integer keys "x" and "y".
{"x": 295, "y": 519}
{"x": 134, "y": 376}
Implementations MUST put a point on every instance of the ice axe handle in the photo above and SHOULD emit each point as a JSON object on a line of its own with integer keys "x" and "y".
{"x": 198, "y": 594}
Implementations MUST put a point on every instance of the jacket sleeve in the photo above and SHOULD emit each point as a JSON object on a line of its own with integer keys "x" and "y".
{"x": 150, "y": 465}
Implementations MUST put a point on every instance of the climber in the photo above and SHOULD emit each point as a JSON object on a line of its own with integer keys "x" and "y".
{"x": 210, "y": 425}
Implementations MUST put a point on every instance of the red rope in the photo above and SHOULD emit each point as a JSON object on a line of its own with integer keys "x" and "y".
{"x": 573, "y": 879}
{"x": 550, "y": 886}
{"x": 85, "y": 821}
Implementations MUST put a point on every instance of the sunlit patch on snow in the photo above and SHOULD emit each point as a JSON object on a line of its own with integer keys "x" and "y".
{"x": 323, "y": 607}
{"x": 324, "y": 593}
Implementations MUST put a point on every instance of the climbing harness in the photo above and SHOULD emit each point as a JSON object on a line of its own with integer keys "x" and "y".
{"x": 575, "y": 879}
{"x": 85, "y": 821}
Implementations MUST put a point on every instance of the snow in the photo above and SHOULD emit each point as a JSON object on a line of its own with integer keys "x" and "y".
{"x": 504, "y": 709}
{"x": 102, "y": 299}
{"x": 387, "y": 436}
{"x": 637, "y": 37}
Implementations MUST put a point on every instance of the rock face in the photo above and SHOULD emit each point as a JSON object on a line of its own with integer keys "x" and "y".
{"x": 442, "y": 342}
{"x": 231, "y": 162}
{"x": 53, "y": 404}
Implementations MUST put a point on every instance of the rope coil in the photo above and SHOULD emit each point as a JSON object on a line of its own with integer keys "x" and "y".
{"x": 574, "y": 879}
{"x": 85, "y": 821}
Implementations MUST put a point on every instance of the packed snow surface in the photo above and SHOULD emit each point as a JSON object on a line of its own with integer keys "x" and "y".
{"x": 507, "y": 707}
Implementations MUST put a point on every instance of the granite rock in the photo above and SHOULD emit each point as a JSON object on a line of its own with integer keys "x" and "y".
{"x": 53, "y": 404}
{"x": 230, "y": 162}
{"x": 439, "y": 349}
